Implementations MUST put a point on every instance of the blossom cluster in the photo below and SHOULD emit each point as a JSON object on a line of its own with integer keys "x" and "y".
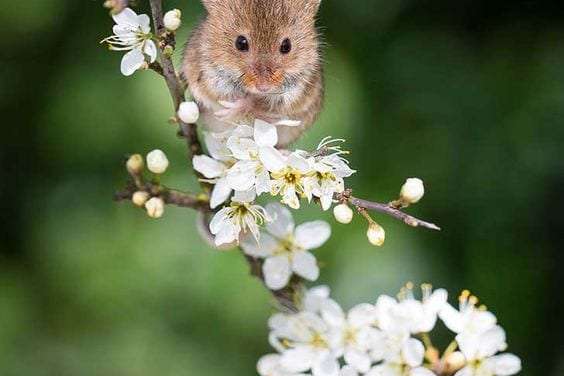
{"x": 387, "y": 338}
{"x": 244, "y": 163}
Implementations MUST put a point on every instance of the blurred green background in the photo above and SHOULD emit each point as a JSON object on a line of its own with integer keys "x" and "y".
{"x": 468, "y": 95}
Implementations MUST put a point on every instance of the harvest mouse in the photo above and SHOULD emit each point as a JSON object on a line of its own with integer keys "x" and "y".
{"x": 257, "y": 59}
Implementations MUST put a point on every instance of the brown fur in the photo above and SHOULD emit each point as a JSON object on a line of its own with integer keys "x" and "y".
{"x": 217, "y": 71}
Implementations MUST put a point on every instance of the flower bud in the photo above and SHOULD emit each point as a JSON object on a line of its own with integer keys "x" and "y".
{"x": 454, "y": 361}
{"x": 412, "y": 191}
{"x": 172, "y": 19}
{"x": 189, "y": 112}
{"x": 157, "y": 162}
{"x": 343, "y": 214}
{"x": 155, "y": 207}
{"x": 140, "y": 198}
{"x": 135, "y": 164}
{"x": 376, "y": 234}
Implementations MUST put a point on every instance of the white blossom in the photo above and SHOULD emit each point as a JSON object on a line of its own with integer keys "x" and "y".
{"x": 240, "y": 216}
{"x": 286, "y": 247}
{"x": 412, "y": 191}
{"x": 157, "y": 162}
{"x": 172, "y": 19}
{"x": 288, "y": 177}
{"x": 132, "y": 33}
{"x": 251, "y": 146}
{"x": 155, "y": 207}
{"x": 303, "y": 341}
{"x": 188, "y": 112}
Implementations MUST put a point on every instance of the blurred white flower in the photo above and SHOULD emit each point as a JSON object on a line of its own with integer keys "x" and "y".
{"x": 469, "y": 319}
{"x": 303, "y": 341}
{"x": 412, "y": 191}
{"x": 155, "y": 207}
{"x": 407, "y": 361}
{"x": 352, "y": 334}
{"x": 250, "y": 146}
{"x": 241, "y": 216}
{"x": 132, "y": 33}
{"x": 172, "y": 19}
{"x": 215, "y": 169}
{"x": 269, "y": 365}
{"x": 479, "y": 351}
{"x": 188, "y": 112}
{"x": 314, "y": 298}
{"x": 157, "y": 162}
{"x": 285, "y": 247}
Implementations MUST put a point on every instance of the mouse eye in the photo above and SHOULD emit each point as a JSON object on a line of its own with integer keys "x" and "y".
{"x": 241, "y": 43}
{"x": 286, "y": 46}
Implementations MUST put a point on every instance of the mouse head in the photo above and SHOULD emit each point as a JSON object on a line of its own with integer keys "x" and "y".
{"x": 261, "y": 47}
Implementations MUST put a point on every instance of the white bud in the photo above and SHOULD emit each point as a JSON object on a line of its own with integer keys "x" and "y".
{"x": 135, "y": 164}
{"x": 376, "y": 234}
{"x": 157, "y": 162}
{"x": 455, "y": 361}
{"x": 189, "y": 112}
{"x": 343, "y": 213}
{"x": 172, "y": 19}
{"x": 155, "y": 207}
{"x": 412, "y": 191}
{"x": 140, "y": 198}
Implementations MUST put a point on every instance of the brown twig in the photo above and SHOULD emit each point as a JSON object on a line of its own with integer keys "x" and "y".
{"x": 409, "y": 220}
{"x": 286, "y": 297}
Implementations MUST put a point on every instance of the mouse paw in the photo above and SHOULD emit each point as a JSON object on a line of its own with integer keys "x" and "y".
{"x": 233, "y": 110}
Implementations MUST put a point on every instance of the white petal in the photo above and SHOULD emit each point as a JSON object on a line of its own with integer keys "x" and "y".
{"x": 221, "y": 192}
{"x": 227, "y": 234}
{"x": 262, "y": 182}
{"x": 241, "y": 177}
{"x": 362, "y": 315}
{"x": 491, "y": 342}
{"x": 326, "y": 367}
{"x": 217, "y": 149}
{"x": 504, "y": 364}
{"x": 207, "y": 166}
{"x": 276, "y": 272}
{"x": 218, "y": 220}
{"x": 126, "y": 17}
{"x": 242, "y": 148}
{"x": 299, "y": 163}
{"x": 312, "y": 235}
{"x": 421, "y": 371}
{"x": 332, "y": 312}
{"x": 348, "y": 371}
{"x": 452, "y": 318}
{"x": 282, "y": 224}
{"x": 268, "y": 364}
{"x": 150, "y": 49}
{"x": 264, "y": 248}
{"x": 358, "y": 359}
{"x": 299, "y": 359}
{"x": 132, "y": 61}
{"x": 304, "y": 264}
{"x": 466, "y": 371}
{"x": 145, "y": 22}
{"x": 244, "y": 196}
{"x": 413, "y": 352}
{"x": 265, "y": 134}
{"x": 326, "y": 201}
{"x": 271, "y": 159}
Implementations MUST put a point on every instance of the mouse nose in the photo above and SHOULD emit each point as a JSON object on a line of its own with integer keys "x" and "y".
{"x": 264, "y": 77}
{"x": 263, "y": 86}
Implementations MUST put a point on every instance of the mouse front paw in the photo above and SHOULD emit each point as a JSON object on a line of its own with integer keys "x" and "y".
{"x": 233, "y": 111}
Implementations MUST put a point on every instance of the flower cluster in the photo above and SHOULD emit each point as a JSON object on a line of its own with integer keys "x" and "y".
{"x": 245, "y": 162}
{"x": 384, "y": 339}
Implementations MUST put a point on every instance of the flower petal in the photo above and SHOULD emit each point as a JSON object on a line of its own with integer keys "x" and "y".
{"x": 241, "y": 177}
{"x": 132, "y": 61}
{"x": 271, "y": 158}
{"x": 276, "y": 272}
{"x": 265, "y": 134}
{"x": 207, "y": 166}
{"x": 327, "y": 366}
{"x": 304, "y": 264}
{"x": 126, "y": 17}
{"x": 332, "y": 312}
{"x": 491, "y": 342}
{"x": 264, "y": 248}
{"x": 299, "y": 359}
{"x": 150, "y": 49}
{"x": 504, "y": 364}
{"x": 221, "y": 192}
{"x": 268, "y": 364}
{"x": 358, "y": 359}
{"x": 282, "y": 224}
{"x": 421, "y": 371}
{"x": 299, "y": 163}
{"x": 312, "y": 235}
{"x": 413, "y": 352}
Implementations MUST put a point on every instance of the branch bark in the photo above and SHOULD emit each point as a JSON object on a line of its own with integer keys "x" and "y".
{"x": 385, "y": 209}
{"x": 169, "y": 196}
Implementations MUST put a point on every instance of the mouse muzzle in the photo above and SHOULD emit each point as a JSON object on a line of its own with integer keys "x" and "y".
{"x": 263, "y": 78}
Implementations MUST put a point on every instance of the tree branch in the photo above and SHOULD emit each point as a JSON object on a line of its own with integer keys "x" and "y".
{"x": 285, "y": 297}
{"x": 169, "y": 196}
{"x": 387, "y": 209}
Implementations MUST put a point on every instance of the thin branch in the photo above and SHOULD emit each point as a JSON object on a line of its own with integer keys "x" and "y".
{"x": 169, "y": 196}
{"x": 285, "y": 297}
{"x": 385, "y": 209}
{"x": 166, "y": 39}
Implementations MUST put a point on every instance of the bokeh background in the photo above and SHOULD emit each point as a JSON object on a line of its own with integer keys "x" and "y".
{"x": 468, "y": 95}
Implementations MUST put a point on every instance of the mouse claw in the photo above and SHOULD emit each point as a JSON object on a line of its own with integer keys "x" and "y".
{"x": 289, "y": 123}
{"x": 227, "y": 104}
